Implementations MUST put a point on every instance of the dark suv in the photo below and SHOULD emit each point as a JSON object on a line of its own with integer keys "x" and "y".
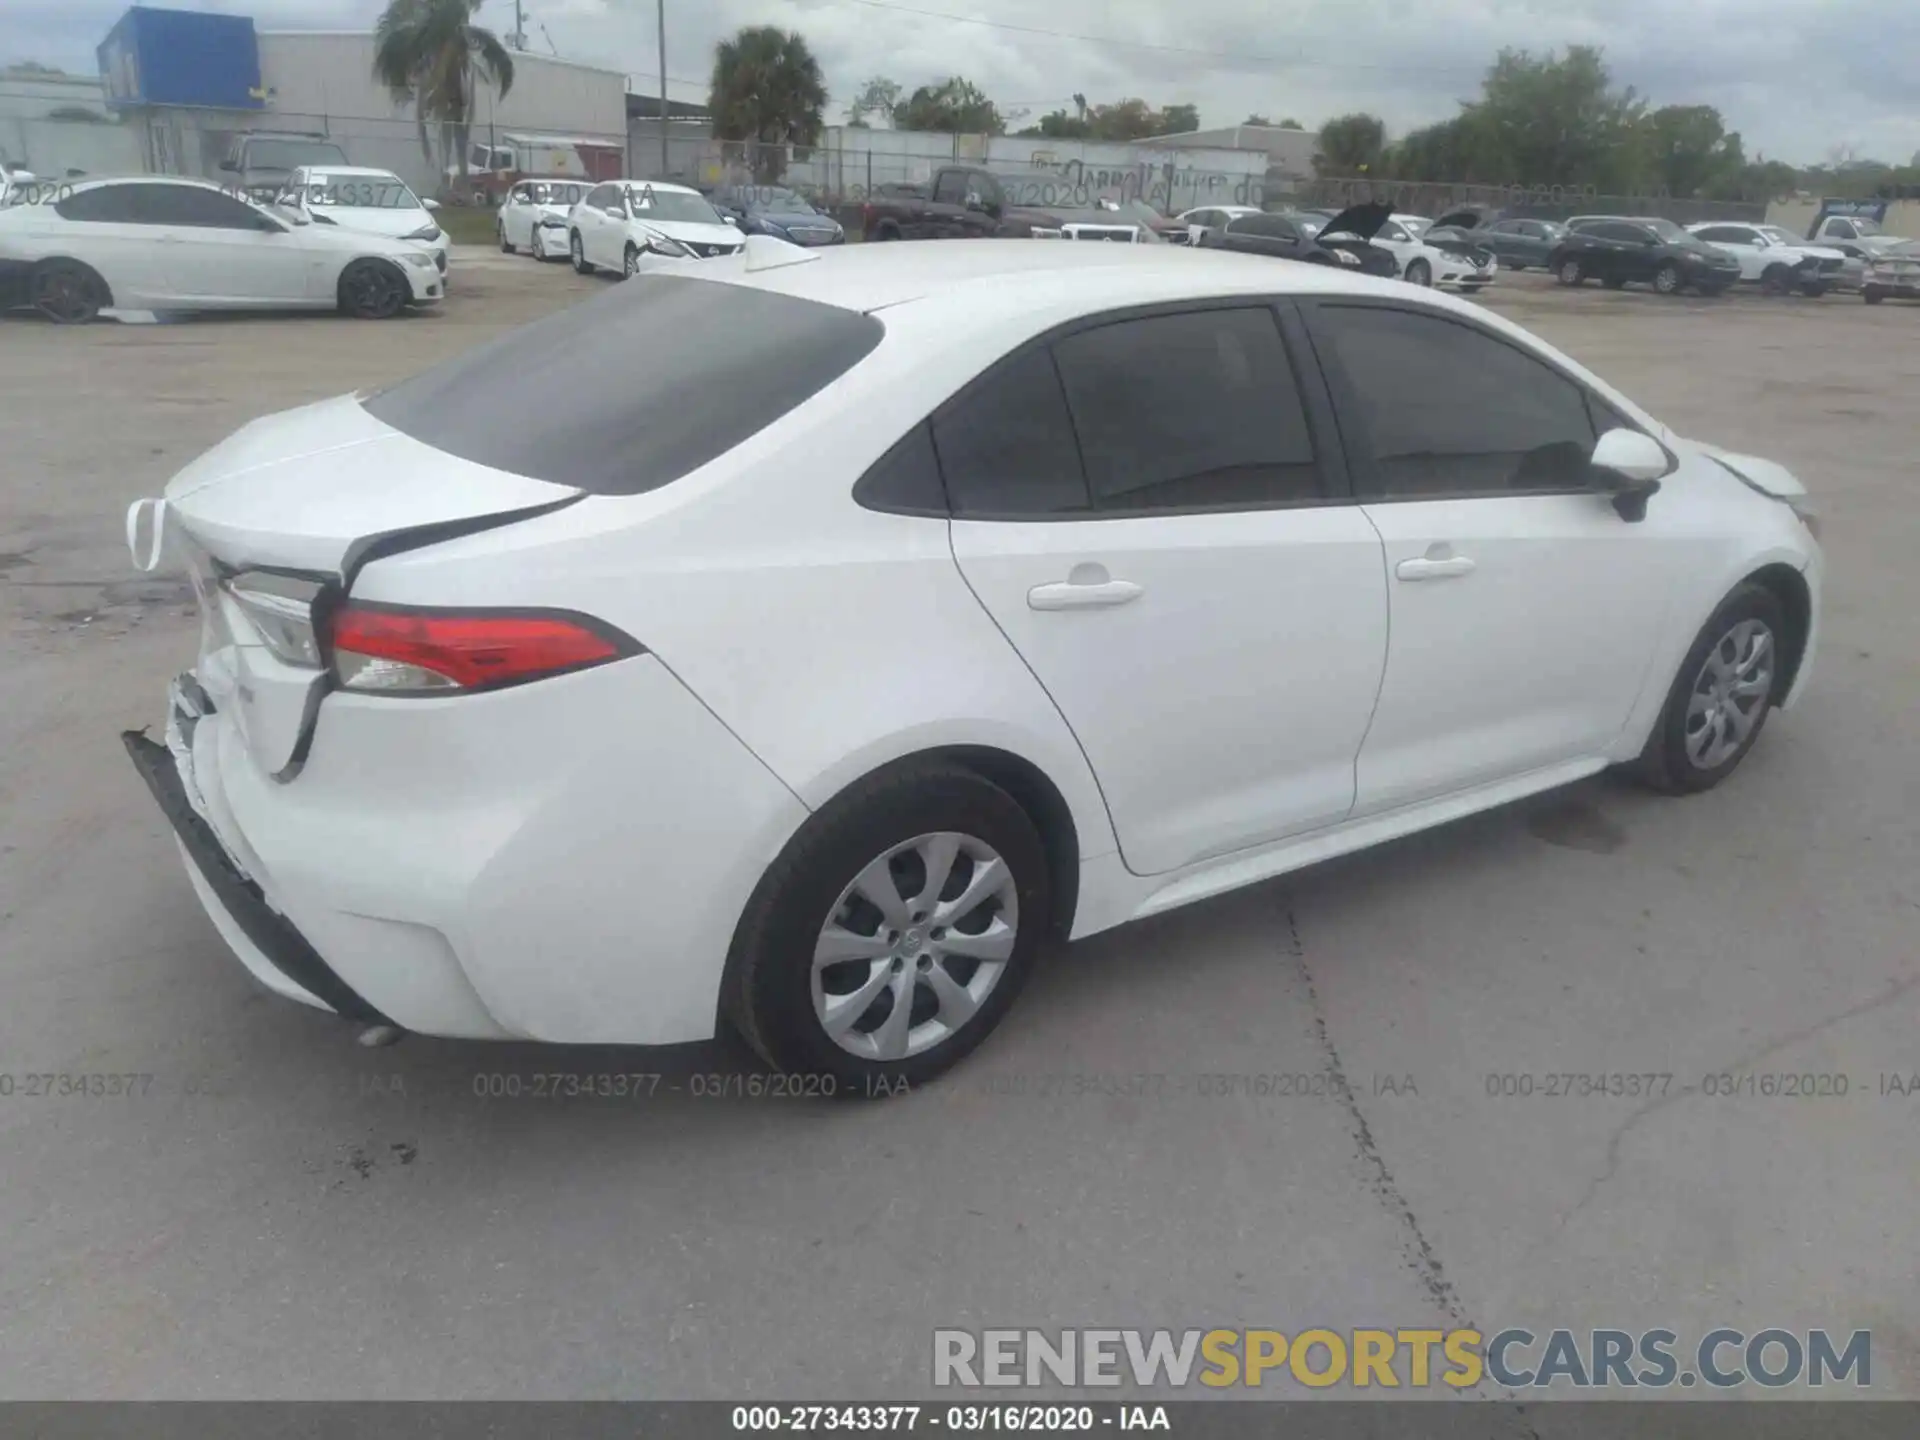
{"x": 1621, "y": 251}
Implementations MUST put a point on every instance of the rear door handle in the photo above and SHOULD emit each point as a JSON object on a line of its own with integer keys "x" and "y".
{"x": 1087, "y": 587}
{"x": 1424, "y": 569}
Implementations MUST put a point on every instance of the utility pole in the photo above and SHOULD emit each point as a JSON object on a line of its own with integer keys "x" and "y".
{"x": 661, "y": 12}
{"x": 519, "y": 27}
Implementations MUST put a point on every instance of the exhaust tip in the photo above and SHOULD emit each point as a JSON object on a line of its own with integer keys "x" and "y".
{"x": 374, "y": 1037}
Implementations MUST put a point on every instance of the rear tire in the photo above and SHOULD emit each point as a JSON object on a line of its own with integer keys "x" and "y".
{"x": 67, "y": 292}
{"x": 1872, "y": 295}
{"x": 1667, "y": 279}
{"x": 1729, "y": 680}
{"x": 1569, "y": 272}
{"x": 882, "y": 839}
{"x": 578, "y": 251}
{"x": 885, "y": 230}
{"x": 374, "y": 290}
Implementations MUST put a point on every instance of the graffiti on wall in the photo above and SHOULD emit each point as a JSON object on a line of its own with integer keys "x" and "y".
{"x": 1166, "y": 185}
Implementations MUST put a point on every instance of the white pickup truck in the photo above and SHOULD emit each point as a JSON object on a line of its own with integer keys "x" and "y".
{"x": 1778, "y": 261}
{"x": 1857, "y": 235}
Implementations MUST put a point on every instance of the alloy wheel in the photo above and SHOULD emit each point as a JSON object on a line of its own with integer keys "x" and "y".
{"x": 915, "y": 944}
{"x": 1729, "y": 694}
{"x": 64, "y": 295}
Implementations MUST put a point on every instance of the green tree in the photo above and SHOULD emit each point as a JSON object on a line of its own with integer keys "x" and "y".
{"x": 1688, "y": 148}
{"x": 1259, "y": 120}
{"x": 1557, "y": 120}
{"x": 877, "y": 97}
{"x": 1179, "y": 119}
{"x": 1452, "y": 150}
{"x": 767, "y": 88}
{"x": 1350, "y": 144}
{"x": 955, "y": 106}
{"x": 430, "y": 54}
{"x": 1289, "y": 124}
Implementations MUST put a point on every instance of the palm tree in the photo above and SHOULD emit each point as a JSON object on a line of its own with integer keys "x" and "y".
{"x": 767, "y": 88}
{"x": 430, "y": 53}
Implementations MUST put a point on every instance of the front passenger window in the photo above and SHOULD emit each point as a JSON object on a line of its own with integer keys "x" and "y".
{"x": 1447, "y": 410}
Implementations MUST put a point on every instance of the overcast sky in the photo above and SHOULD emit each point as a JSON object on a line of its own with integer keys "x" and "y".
{"x": 1797, "y": 78}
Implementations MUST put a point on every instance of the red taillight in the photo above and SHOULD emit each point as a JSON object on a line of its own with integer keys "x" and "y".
{"x": 379, "y": 648}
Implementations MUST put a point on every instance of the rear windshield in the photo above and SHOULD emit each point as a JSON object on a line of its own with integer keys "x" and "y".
{"x": 632, "y": 390}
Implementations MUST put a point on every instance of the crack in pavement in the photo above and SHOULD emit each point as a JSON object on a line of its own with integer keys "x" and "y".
{"x": 1420, "y": 1255}
{"x": 1741, "y": 1062}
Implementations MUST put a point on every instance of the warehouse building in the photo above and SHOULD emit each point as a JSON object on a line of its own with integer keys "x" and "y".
{"x": 189, "y": 82}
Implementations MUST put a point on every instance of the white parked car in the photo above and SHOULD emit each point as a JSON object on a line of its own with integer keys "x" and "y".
{"x": 533, "y": 216}
{"x": 623, "y": 224}
{"x": 376, "y": 201}
{"x": 1445, "y": 263}
{"x": 159, "y": 243}
{"x": 1773, "y": 259}
{"x": 933, "y": 603}
{"x": 1211, "y": 217}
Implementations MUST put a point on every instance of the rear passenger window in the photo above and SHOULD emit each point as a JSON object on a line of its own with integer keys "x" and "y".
{"x": 1188, "y": 411}
{"x": 905, "y": 480}
{"x": 1006, "y": 446}
{"x": 1448, "y": 410}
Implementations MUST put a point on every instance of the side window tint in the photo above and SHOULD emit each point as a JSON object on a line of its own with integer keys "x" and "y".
{"x": 1006, "y": 447}
{"x": 1198, "y": 409}
{"x": 108, "y": 205}
{"x": 190, "y": 206}
{"x": 1446, "y": 409}
{"x": 906, "y": 479}
{"x": 952, "y": 189}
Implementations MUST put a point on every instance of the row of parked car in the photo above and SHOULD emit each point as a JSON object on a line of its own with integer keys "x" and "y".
{"x": 1710, "y": 258}
{"x": 625, "y": 225}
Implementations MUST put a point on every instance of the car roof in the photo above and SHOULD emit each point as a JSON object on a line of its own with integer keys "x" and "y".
{"x": 346, "y": 170}
{"x": 1012, "y": 277}
{"x": 99, "y": 182}
{"x": 667, "y": 185}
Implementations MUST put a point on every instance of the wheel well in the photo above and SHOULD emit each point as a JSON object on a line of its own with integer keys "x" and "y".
{"x": 1789, "y": 587}
{"x": 98, "y": 278}
{"x": 1028, "y": 784}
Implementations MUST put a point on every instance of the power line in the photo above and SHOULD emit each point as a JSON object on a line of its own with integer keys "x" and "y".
{"x": 1238, "y": 55}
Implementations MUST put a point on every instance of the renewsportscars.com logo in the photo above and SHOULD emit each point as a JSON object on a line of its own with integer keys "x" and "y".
{"x": 1396, "y": 1359}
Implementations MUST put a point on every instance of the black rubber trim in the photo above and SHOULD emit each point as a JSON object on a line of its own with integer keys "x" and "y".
{"x": 272, "y": 934}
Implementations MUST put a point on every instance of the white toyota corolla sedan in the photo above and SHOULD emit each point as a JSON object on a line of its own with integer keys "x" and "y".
{"x": 164, "y": 243}
{"x": 936, "y": 602}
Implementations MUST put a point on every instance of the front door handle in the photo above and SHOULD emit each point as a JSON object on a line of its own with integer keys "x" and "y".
{"x": 1434, "y": 569}
{"x": 1087, "y": 587}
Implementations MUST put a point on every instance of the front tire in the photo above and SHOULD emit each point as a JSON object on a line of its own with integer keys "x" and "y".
{"x": 1719, "y": 701}
{"x": 893, "y": 933}
{"x": 506, "y": 245}
{"x": 1419, "y": 273}
{"x": 630, "y": 263}
{"x": 67, "y": 292}
{"x": 578, "y": 252}
{"x": 1778, "y": 280}
{"x": 373, "y": 290}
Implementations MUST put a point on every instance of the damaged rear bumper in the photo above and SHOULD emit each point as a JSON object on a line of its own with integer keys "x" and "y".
{"x": 265, "y": 941}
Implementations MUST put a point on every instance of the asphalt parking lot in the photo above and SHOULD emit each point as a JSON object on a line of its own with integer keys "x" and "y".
{"x": 276, "y": 1212}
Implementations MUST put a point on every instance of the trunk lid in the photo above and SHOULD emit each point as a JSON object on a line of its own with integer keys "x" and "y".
{"x": 308, "y": 489}
{"x": 308, "y": 495}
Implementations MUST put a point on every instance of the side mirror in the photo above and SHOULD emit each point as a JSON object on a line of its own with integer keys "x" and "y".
{"x": 431, "y": 204}
{"x": 1628, "y": 467}
{"x": 230, "y": 165}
